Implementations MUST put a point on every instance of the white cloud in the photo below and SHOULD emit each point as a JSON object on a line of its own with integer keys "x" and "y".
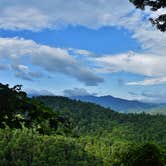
{"x": 148, "y": 65}
{"x": 79, "y": 52}
{"x": 23, "y": 72}
{"x": 77, "y": 92}
{"x": 51, "y": 59}
{"x": 143, "y": 64}
{"x": 152, "y": 41}
{"x": 153, "y": 96}
{"x": 14, "y": 18}
{"x": 158, "y": 13}
{"x": 151, "y": 81}
{"x": 34, "y": 15}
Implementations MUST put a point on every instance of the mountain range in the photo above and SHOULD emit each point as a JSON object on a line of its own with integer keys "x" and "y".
{"x": 123, "y": 105}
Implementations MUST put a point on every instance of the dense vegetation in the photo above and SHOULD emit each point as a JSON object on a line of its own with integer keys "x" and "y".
{"x": 74, "y": 133}
{"x": 91, "y": 119}
{"x": 18, "y": 110}
{"x": 122, "y": 105}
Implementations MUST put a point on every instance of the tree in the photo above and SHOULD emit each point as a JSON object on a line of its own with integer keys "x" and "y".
{"x": 160, "y": 21}
{"x": 147, "y": 155}
{"x": 17, "y": 109}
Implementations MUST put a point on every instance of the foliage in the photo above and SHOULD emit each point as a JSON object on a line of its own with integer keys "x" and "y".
{"x": 16, "y": 109}
{"x": 26, "y": 147}
{"x": 83, "y": 134}
{"x": 147, "y": 155}
{"x": 94, "y": 120}
{"x": 155, "y": 5}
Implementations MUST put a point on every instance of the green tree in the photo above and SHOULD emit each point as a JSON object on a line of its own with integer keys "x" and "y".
{"x": 160, "y": 21}
{"x": 146, "y": 155}
{"x": 16, "y": 109}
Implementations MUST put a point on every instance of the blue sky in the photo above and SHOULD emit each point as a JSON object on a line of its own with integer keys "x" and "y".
{"x": 95, "y": 47}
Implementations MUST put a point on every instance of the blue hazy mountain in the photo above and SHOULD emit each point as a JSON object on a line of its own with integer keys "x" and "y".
{"x": 120, "y": 105}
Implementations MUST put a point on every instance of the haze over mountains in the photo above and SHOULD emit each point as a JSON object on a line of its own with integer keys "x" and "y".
{"x": 117, "y": 104}
{"x": 123, "y": 105}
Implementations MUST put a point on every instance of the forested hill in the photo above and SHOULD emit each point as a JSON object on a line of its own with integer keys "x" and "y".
{"x": 122, "y": 105}
{"x": 92, "y": 119}
{"x": 75, "y": 133}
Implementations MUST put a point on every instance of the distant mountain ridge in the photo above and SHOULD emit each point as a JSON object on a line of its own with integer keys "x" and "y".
{"x": 120, "y": 105}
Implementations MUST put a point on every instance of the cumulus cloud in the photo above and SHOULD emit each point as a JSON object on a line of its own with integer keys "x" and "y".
{"x": 16, "y": 18}
{"x": 152, "y": 41}
{"x": 151, "y": 81}
{"x": 50, "y": 59}
{"x": 149, "y": 65}
{"x": 144, "y": 64}
{"x": 150, "y": 96}
{"x": 23, "y": 72}
{"x": 34, "y": 15}
{"x": 77, "y": 92}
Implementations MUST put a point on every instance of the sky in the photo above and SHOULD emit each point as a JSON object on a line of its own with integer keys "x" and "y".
{"x": 96, "y": 47}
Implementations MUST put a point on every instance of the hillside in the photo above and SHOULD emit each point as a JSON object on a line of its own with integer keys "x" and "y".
{"x": 120, "y": 105}
{"x": 49, "y": 131}
{"x": 89, "y": 118}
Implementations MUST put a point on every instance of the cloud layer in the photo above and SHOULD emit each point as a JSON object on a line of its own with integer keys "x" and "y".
{"x": 34, "y": 15}
{"x": 149, "y": 65}
{"x": 149, "y": 96}
{"x": 22, "y": 53}
{"x": 144, "y": 64}
{"x": 77, "y": 92}
{"x": 16, "y": 18}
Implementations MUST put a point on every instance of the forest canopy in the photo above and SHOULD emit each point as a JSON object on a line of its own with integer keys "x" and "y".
{"x": 53, "y": 130}
{"x": 18, "y": 110}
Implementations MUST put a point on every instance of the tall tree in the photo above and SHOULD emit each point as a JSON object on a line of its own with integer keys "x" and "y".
{"x": 160, "y": 21}
{"x": 17, "y": 109}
